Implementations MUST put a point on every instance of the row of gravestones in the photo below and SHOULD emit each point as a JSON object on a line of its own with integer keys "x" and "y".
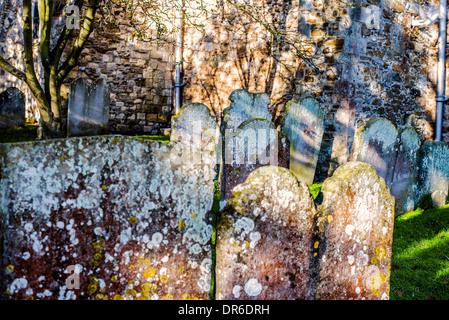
{"x": 248, "y": 139}
{"x": 139, "y": 226}
{"x": 88, "y": 108}
{"x": 410, "y": 169}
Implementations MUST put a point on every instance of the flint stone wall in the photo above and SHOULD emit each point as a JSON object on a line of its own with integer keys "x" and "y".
{"x": 124, "y": 216}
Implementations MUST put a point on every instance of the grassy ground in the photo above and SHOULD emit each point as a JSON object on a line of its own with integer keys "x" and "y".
{"x": 28, "y": 133}
{"x": 420, "y": 265}
{"x": 154, "y": 138}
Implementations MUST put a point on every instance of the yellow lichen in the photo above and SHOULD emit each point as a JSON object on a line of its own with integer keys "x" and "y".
{"x": 168, "y": 296}
{"x": 377, "y": 282}
{"x": 163, "y": 278}
{"x": 113, "y": 279}
{"x": 316, "y": 244}
{"x": 118, "y": 297}
{"x": 132, "y": 220}
{"x": 185, "y": 296}
{"x": 97, "y": 256}
{"x": 10, "y": 268}
{"x": 30, "y": 297}
{"x": 98, "y": 245}
{"x": 150, "y": 273}
{"x": 103, "y": 187}
{"x": 330, "y": 218}
{"x": 182, "y": 225}
{"x": 93, "y": 263}
{"x": 91, "y": 289}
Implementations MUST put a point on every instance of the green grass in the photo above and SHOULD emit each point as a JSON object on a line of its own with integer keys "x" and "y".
{"x": 154, "y": 137}
{"x": 420, "y": 264}
{"x": 28, "y": 133}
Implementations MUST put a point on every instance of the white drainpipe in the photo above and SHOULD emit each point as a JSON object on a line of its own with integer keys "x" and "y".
{"x": 178, "y": 58}
{"x": 441, "y": 76}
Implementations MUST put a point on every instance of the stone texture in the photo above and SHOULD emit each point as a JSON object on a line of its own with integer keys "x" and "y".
{"x": 403, "y": 186}
{"x": 132, "y": 223}
{"x": 194, "y": 126}
{"x": 12, "y": 108}
{"x": 376, "y": 143}
{"x": 433, "y": 177}
{"x": 244, "y": 106}
{"x": 255, "y": 143}
{"x": 88, "y": 108}
{"x": 352, "y": 246}
{"x": 303, "y": 125}
{"x": 264, "y": 235}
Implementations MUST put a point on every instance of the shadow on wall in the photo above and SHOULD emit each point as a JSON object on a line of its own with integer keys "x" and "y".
{"x": 367, "y": 62}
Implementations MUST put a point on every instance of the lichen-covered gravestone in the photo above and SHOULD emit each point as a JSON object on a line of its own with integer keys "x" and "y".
{"x": 12, "y": 108}
{"x": 403, "y": 186}
{"x": 433, "y": 177}
{"x": 88, "y": 108}
{"x": 195, "y": 127}
{"x": 375, "y": 143}
{"x": 354, "y": 234}
{"x": 303, "y": 125}
{"x": 264, "y": 235}
{"x": 255, "y": 143}
{"x": 104, "y": 217}
{"x": 244, "y": 106}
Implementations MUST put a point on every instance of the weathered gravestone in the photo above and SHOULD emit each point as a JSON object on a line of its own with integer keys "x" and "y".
{"x": 375, "y": 143}
{"x": 88, "y": 108}
{"x": 105, "y": 217}
{"x": 12, "y": 108}
{"x": 255, "y": 143}
{"x": 244, "y": 106}
{"x": 403, "y": 186}
{"x": 195, "y": 127}
{"x": 303, "y": 125}
{"x": 264, "y": 235}
{"x": 354, "y": 235}
{"x": 433, "y": 177}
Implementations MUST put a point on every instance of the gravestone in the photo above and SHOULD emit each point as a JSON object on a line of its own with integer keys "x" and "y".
{"x": 375, "y": 143}
{"x": 12, "y": 108}
{"x": 244, "y": 106}
{"x": 354, "y": 235}
{"x": 255, "y": 143}
{"x": 264, "y": 235}
{"x": 433, "y": 177}
{"x": 344, "y": 123}
{"x": 195, "y": 127}
{"x": 403, "y": 186}
{"x": 88, "y": 108}
{"x": 108, "y": 217}
{"x": 422, "y": 126}
{"x": 303, "y": 125}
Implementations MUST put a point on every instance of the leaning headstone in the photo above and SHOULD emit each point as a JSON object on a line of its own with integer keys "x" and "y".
{"x": 303, "y": 125}
{"x": 255, "y": 143}
{"x": 88, "y": 108}
{"x": 422, "y": 126}
{"x": 104, "y": 217}
{"x": 403, "y": 186}
{"x": 352, "y": 247}
{"x": 244, "y": 106}
{"x": 12, "y": 108}
{"x": 433, "y": 177}
{"x": 264, "y": 235}
{"x": 375, "y": 143}
{"x": 195, "y": 127}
